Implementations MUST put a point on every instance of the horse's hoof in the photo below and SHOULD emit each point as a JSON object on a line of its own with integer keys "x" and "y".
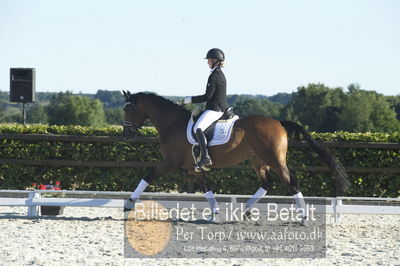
{"x": 303, "y": 221}
{"x": 129, "y": 205}
{"x": 212, "y": 218}
{"x": 247, "y": 215}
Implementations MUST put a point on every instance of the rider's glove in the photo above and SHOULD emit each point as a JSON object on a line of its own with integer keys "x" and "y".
{"x": 187, "y": 100}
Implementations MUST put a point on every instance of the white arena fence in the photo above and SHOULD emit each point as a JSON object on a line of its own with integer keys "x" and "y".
{"x": 329, "y": 205}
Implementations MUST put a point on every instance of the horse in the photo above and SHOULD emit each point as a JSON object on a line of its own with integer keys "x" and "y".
{"x": 261, "y": 139}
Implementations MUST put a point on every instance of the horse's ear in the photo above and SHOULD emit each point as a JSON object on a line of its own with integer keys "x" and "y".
{"x": 125, "y": 94}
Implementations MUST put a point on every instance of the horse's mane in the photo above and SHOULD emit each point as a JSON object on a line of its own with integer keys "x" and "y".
{"x": 160, "y": 100}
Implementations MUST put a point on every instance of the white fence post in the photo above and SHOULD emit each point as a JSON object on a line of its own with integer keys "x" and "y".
{"x": 33, "y": 210}
{"x": 233, "y": 201}
{"x": 338, "y": 202}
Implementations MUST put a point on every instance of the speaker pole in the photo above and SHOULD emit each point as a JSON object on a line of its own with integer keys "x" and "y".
{"x": 24, "y": 113}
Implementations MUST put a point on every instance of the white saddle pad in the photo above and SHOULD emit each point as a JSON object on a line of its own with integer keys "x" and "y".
{"x": 222, "y": 131}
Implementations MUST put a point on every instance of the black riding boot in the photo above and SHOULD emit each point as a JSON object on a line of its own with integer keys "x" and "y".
{"x": 201, "y": 139}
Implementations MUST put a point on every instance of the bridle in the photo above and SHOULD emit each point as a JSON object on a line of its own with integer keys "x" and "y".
{"x": 132, "y": 127}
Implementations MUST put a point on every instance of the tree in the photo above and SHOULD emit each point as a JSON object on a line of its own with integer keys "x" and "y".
{"x": 248, "y": 107}
{"x": 68, "y": 109}
{"x": 114, "y": 116}
{"x": 37, "y": 114}
{"x": 316, "y": 106}
{"x": 12, "y": 118}
{"x": 367, "y": 111}
{"x": 282, "y": 98}
{"x": 272, "y": 109}
{"x": 253, "y": 106}
{"x": 330, "y": 120}
{"x": 394, "y": 102}
{"x": 110, "y": 99}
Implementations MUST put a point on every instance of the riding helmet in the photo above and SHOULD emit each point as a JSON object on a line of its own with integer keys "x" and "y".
{"x": 216, "y": 53}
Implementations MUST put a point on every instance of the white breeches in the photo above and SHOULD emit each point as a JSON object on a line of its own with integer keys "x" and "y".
{"x": 206, "y": 119}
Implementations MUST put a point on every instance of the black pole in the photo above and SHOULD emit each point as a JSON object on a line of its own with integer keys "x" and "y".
{"x": 24, "y": 113}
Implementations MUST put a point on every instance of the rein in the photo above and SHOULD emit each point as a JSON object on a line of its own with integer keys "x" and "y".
{"x": 130, "y": 128}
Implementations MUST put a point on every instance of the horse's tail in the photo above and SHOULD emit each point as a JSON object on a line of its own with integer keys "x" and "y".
{"x": 342, "y": 182}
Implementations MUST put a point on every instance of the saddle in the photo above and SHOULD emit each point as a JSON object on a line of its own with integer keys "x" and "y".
{"x": 209, "y": 132}
{"x": 217, "y": 133}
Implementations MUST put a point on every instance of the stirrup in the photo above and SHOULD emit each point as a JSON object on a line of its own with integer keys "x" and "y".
{"x": 205, "y": 167}
{"x": 199, "y": 169}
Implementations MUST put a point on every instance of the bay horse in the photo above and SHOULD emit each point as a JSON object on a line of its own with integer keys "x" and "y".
{"x": 261, "y": 139}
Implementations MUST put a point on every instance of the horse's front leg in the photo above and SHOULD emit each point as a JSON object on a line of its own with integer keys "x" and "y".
{"x": 162, "y": 169}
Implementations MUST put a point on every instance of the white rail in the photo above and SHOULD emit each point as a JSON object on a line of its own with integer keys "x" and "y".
{"x": 332, "y": 206}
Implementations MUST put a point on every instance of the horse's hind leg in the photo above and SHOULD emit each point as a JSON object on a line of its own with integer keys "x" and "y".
{"x": 274, "y": 155}
{"x": 282, "y": 170}
{"x": 262, "y": 171}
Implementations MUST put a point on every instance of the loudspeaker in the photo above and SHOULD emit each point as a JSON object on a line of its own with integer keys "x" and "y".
{"x": 22, "y": 85}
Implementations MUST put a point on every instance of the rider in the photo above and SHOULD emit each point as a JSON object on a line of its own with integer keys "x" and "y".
{"x": 215, "y": 97}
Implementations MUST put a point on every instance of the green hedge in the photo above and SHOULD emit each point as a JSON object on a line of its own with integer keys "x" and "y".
{"x": 16, "y": 176}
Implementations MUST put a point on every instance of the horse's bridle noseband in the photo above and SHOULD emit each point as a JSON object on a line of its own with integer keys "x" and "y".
{"x": 133, "y": 127}
{"x": 130, "y": 124}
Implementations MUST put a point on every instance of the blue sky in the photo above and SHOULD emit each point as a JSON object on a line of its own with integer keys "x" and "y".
{"x": 270, "y": 46}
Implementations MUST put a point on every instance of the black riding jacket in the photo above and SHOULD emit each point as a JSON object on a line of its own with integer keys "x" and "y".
{"x": 215, "y": 95}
